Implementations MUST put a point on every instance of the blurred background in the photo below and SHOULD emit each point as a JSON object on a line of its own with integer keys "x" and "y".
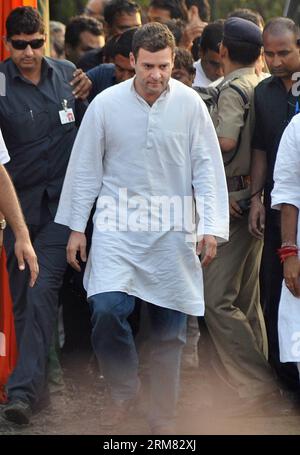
{"x": 62, "y": 10}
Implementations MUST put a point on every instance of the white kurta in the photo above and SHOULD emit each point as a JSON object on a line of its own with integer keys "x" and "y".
{"x": 168, "y": 149}
{"x": 287, "y": 190}
{"x": 4, "y": 156}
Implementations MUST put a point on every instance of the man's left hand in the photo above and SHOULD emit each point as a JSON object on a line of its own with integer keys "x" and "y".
{"x": 209, "y": 245}
{"x": 25, "y": 253}
{"x": 82, "y": 85}
{"x": 291, "y": 273}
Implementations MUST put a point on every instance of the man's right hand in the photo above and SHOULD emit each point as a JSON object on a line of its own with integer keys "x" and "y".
{"x": 77, "y": 242}
{"x": 257, "y": 217}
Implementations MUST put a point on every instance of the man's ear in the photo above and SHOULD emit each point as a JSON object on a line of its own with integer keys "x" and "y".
{"x": 223, "y": 51}
{"x": 6, "y": 44}
{"x": 132, "y": 60}
{"x": 68, "y": 50}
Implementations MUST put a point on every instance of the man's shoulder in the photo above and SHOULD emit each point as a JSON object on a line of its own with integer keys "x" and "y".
{"x": 241, "y": 84}
{"x": 115, "y": 92}
{"x": 5, "y": 65}
{"x": 102, "y": 69}
{"x": 63, "y": 66}
{"x": 265, "y": 85}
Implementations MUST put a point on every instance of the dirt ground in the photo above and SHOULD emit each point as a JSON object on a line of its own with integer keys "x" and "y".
{"x": 204, "y": 409}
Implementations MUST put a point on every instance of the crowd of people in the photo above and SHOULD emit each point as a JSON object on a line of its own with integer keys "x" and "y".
{"x": 141, "y": 155}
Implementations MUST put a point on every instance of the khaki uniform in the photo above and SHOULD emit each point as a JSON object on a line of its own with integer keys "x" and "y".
{"x": 231, "y": 282}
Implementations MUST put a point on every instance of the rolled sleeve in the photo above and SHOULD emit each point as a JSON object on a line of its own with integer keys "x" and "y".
{"x": 230, "y": 117}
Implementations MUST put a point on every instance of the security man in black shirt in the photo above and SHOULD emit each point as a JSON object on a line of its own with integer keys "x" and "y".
{"x": 38, "y": 119}
{"x": 275, "y": 104}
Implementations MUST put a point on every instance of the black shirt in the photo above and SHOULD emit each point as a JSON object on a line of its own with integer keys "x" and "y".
{"x": 91, "y": 59}
{"x": 274, "y": 108}
{"x": 102, "y": 77}
{"x": 38, "y": 144}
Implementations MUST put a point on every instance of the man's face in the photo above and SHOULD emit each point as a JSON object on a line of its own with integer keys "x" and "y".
{"x": 87, "y": 42}
{"x": 211, "y": 64}
{"x": 94, "y": 8}
{"x": 153, "y": 71}
{"x": 29, "y": 59}
{"x": 282, "y": 54}
{"x": 182, "y": 75}
{"x": 124, "y": 69}
{"x": 124, "y": 21}
{"x": 158, "y": 15}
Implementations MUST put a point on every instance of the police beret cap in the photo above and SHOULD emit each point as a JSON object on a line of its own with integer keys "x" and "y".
{"x": 238, "y": 29}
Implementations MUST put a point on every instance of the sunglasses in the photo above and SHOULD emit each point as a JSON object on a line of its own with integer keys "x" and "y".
{"x": 21, "y": 45}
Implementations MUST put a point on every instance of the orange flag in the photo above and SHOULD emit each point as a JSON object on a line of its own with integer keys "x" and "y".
{"x": 8, "y": 345}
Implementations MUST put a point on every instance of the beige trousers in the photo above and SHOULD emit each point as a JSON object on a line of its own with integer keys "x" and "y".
{"x": 233, "y": 314}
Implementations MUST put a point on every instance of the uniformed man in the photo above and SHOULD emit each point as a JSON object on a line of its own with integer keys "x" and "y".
{"x": 233, "y": 313}
{"x": 37, "y": 118}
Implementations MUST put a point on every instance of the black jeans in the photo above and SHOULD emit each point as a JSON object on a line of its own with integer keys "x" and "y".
{"x": 35, "y": 309}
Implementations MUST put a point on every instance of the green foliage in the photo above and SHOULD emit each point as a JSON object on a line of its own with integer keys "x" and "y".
{"x": 63, "y": 10}
{"x": 267, "y": 8}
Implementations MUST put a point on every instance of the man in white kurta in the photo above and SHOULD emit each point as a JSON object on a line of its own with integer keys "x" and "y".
{"x": 286, "y": 197}
{"x": 146, "y": 138}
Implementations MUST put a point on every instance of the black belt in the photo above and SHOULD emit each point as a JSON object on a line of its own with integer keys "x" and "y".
{"x": 238, "y": 183}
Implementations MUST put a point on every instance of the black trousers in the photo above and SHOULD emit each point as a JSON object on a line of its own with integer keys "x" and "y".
{"x": 35, "y": 309}
{"x": 271, "y": 281}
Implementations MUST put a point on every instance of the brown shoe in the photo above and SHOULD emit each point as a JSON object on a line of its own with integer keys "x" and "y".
{"x": 115, "y": 412}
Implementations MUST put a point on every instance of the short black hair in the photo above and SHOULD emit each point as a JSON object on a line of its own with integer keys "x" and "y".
{"x": 280, "y": 25}
{"x": 153, "y": 37}
{"x": 115, "y": 7}
{"x": 248, "y": 14}
{"x": 176, "y": 8}
{"x": 242, "y": 52}
{"x": 204, "y": 10}
{"x": 176, "y": 26}
{"x": 79, "y": 24}
{"x": 212, "y": 36}
{"x": 24, "y": 19}
{"x": 123, "y": 43}
{"x": 184, "y": 60}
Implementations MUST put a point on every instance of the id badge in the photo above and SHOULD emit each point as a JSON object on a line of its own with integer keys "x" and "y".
{"x": 67, "y": 116}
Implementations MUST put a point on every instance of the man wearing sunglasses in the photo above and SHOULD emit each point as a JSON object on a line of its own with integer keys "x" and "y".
{"x": 38, "y": 117}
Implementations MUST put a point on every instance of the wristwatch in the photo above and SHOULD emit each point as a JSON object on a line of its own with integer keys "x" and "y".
{"x": 2, "y": 224}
